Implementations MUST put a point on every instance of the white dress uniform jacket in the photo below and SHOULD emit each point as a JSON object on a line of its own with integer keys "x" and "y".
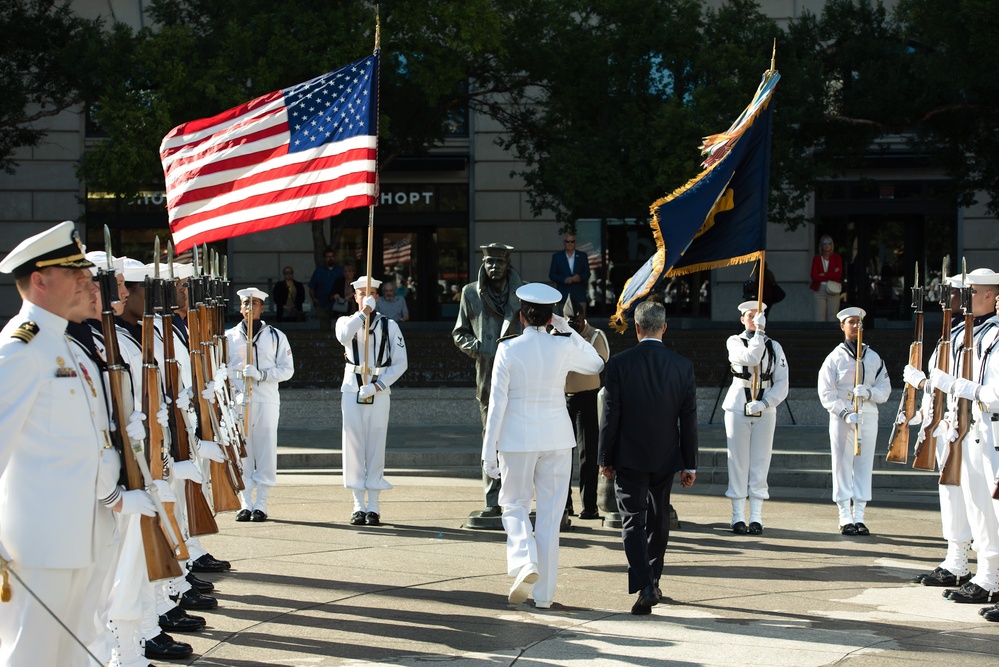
{"x": 271, "y": 356}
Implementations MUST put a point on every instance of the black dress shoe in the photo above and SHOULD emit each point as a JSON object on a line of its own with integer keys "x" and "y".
{"x": 740, "y": 528}
{"x": 943, "y": 577}
{"x": 848, "y": 529}
{"x": 357, "y": 518}
{"x": 991, "y": 615}
{"x": 589, "y": 514}
{"x": 199, "y": 585}
{"x": 372, "y": 519}
{"x": 258, "y": 516}
{"x": 192, "y": 599}
{"x": 178, "y": 620}
{"x": 972, "y": 593}
{"x": 862, "y": 529}
{"x": 163, "y": 646}
{"x": 243, "y": 515}
{"x": 755, "y": 528}
{"x": 208, "y": 564}
{"x": 985, "y": 610}
{"x": 647, "y": 599}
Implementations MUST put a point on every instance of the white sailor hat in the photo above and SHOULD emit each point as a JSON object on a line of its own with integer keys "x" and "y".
{"x": 852, "y": 311}
{"x": 538, "y": 293}
{"x": 58, "y": 246}
{"x": 134, "y": 270}
{"x": 747, "y": 306}
{"x": 957, "y": 282}
{"x": 183, "y": 271}
{"x": 363, "y": 280}
{"x": 983, "y": 277}
{"x": 99, "y": 258}
{"x": 245, "y": 294}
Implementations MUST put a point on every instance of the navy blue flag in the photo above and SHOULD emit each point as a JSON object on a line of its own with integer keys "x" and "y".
{"x": 718, "y": 218}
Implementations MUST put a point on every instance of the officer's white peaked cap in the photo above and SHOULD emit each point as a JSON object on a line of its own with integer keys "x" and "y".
{"x": 57, "y": 246}
{"x": 134, "y": 270}
{"x": 245, "y": 294}
{"x": 538, "y": 293}
{"x": 747, "y": 306}
{"x": 363, "y": 280}
{"x": 852, "y": 311}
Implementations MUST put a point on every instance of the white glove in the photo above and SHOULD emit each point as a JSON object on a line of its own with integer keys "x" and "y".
{"x": 942, "y": 381}
{"x": 137, "y": 502}
{"x": 561, "y": 324}
{"x": 209, "y": 393}
{"x": 250, "y": 371}
{"x": 755, "y": 406}
{"x": 367, "y": 390}
{"x": 913, "y": 376}
{"x": 851, "y": 418}
{"x": 491, "y": 469}
{"x": 187, "y": 470}
{"x": 242, "y": 398}
{"x": 211, "y": 451}
{"x": 184, "y": 398}
{"x": 221, "y": 374}
{"x": 163, "y": 416}
{"x": 917, "y": 418}
{"x": 862, "y": 391}
{"x": 760, "y": 320}
{"x": 369, "y": 303}
{"x": 135, "y": 429}
{"x": 964, "y": 389}
{"x": 164, "y": 491}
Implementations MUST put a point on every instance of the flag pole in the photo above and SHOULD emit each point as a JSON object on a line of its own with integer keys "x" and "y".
{"x": 365, "y": 371}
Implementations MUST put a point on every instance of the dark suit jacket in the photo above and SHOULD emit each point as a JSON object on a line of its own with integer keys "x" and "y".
{"x": 280, "y": 295}
{"x": 650, "y": 411}
{"x": 559, "y": 271}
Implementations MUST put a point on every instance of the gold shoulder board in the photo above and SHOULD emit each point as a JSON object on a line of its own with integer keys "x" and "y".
{"x": 26, "y": 332}
{"x": 507, "y": 337}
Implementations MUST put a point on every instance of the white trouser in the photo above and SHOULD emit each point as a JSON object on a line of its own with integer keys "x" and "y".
{"x": 132, "y": 596}
{"x": 525, "y": 474}
{"x": 750, "y": 445}
{"x": 978, "y": 470}
{"x": 28, "y": 633}
{"x": 365, "y": 428}
{"x": 852, "y": 474}
{"x": 260, "y": 464}
{"x": 97, "y": 596}
{"x": 953, "y": 518}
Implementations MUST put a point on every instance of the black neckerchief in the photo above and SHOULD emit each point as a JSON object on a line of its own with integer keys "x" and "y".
{"x": 134, "y": 330}
{"x": 258, "y": 326}
{"x": 851, "y": 347}
{"x": 180, "y": 326}
{"x": 84, "y": 337}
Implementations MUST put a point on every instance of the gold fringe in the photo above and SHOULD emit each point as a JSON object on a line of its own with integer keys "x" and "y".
{"x": 5, "y": 585}
{"x": 706, "y": 266}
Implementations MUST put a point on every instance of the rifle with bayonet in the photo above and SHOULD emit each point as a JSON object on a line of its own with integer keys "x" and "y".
{"x": 898, "y": 441}
{"x": 925, "y": 454}
{"x": 161, "y": 560}
{"x": 224, "y": 390}
{"x": 225, "y": 481}
{"x": 199, "y": 515}
{"x": 950, "y": 470}
{"x": 152, "y": 400}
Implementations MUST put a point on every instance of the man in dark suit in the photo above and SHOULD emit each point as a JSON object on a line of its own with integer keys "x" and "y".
{"x": 570, "y": 271}
{"x": 647, "y": 435}
{"x": 289, "y": 297}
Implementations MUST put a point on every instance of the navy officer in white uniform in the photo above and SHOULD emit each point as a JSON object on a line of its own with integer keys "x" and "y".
{"x": 365, "y": 398}
{"x": 272, "y": 363}
{"x": 750, "y": 420}
{"x": 528, "y": 439}
{"x": 49, "y": 455}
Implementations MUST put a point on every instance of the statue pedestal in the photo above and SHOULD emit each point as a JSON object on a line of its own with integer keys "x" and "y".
{"x": 487, "y": 520}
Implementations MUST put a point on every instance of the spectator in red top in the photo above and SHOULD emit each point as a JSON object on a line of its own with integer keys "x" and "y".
{"x": 827, "y": 280}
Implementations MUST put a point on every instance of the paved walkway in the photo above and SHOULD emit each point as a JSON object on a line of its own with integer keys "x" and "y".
{"x": 309, "y": 590}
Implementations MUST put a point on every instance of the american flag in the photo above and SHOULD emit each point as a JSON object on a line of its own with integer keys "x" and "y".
{"x": 295, "y": 155}
{"x": 394, "y": 254}
{"x": 592, "y": 255}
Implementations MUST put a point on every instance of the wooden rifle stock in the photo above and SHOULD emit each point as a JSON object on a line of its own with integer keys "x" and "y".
{"x": 898, "y": 442}
{"x": 926, "y": 450}
{"x": 950, "y": 471}
{"x": 199, "y": 515}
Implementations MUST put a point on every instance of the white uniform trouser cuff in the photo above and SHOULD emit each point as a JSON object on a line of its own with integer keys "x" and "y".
{"x": 738, "y": 510}
{"x": 956, "y": 561}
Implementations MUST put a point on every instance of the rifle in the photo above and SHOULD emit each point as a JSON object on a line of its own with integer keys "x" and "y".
{"x": 161, "y": 561}
{"x": 858, "y": 371}
{"x": 925, "y": 458}
{"x": 950, "y": 471}
{"x": 199, "y": 515}
{"x": 898, "y": 441}
{"x": 225, "y": 483}
{"x": 151, "y": 401}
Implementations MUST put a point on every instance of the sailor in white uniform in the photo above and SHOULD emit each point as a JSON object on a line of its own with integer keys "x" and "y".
{"x": 756, "y": 361}
{"x": 838, "y": 384}
{"x": 365, "y": 401}
{"x": 272, "y": 363}
{"x": 528, "y": 439}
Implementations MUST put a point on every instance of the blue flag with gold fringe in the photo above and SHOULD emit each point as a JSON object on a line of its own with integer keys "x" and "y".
{"x": 718, "y": 218}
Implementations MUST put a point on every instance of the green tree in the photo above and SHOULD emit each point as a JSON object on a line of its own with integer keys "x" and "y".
{"x": 48, "y": 58}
